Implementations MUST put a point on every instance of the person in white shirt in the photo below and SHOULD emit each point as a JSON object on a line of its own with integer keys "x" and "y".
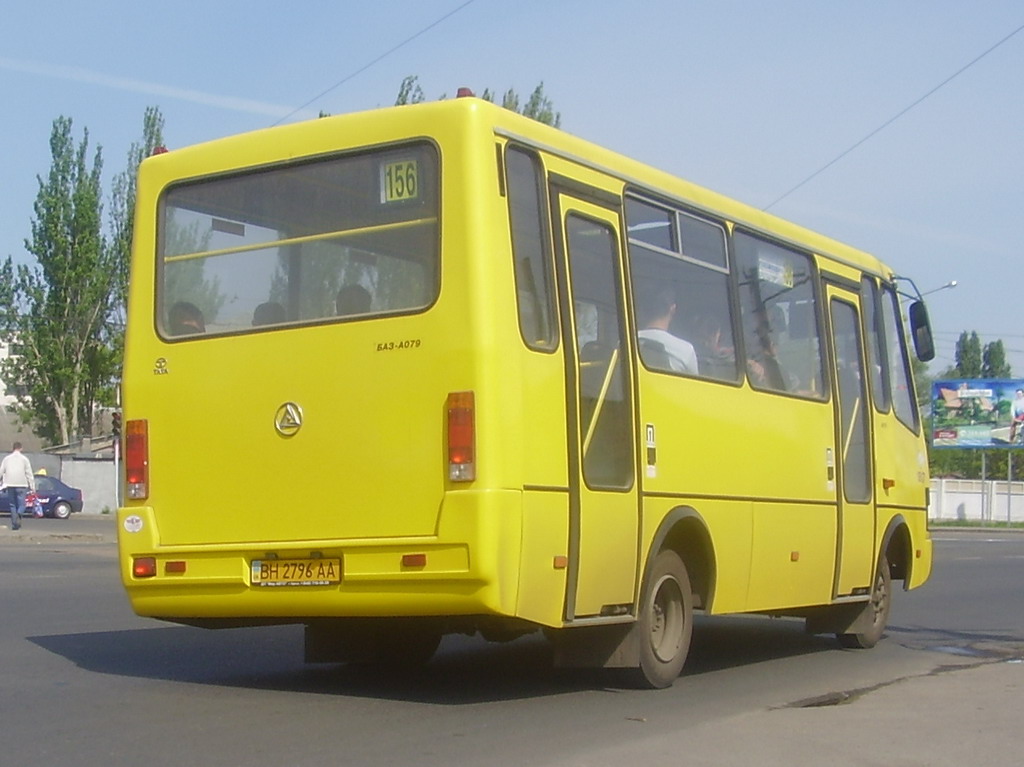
{"x": 658, "y": 314}
{"x": 16, "y": 476}
{"x": 1016, "y": 414}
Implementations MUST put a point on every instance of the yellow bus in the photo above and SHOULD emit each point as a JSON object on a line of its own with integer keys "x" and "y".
{"x": 441, "y": 368}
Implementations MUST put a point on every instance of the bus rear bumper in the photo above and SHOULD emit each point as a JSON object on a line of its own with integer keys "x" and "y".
{"x": 468, "y": 568}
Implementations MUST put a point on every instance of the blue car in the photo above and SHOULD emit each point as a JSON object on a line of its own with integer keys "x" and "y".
{"x": 57, "y": 499}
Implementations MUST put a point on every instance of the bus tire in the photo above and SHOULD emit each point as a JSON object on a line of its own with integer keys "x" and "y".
{"x": 665, "y": 622}
{"x": 879, "y": 606}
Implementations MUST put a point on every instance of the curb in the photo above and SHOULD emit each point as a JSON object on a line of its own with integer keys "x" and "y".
{"x": 94, "y": 529}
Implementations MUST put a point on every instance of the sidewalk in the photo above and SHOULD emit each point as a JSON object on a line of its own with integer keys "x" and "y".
{"x": 960, "y": 715}
{"x": 989, "y": 528}
{"x": 79, "y": 528}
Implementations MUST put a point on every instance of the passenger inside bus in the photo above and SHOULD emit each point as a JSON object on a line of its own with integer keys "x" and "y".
{"x": 656, "y": 315}
{"x": 185, "y": 318}
{"x": 762, "y": 353}
{"x": 716, "y": 358}
{"x": 268, "y": 313}
{"x": 352, "y": 299}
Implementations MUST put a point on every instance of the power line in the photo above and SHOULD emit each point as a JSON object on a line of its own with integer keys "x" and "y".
{"x": 892, "y": 119}
{"x": 384, "y": 55}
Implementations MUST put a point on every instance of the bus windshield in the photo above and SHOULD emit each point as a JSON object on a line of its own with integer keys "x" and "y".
{"x": 332, "y": 239}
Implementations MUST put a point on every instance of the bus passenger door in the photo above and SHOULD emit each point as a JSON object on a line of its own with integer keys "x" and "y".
{"x": 604, "y": 523}
{"x": 855, "y": 554}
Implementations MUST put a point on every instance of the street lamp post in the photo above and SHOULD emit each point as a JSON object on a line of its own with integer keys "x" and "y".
{"x": 950, "y": 284}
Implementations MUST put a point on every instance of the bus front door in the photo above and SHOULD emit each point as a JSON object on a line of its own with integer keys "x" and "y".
{"x": 855, "y": 556}
{"x": 604, "y": 511}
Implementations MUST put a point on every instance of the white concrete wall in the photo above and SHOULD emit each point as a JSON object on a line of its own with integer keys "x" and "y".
{"x": 95, "y": 478}
{"x": 974, "y": 500}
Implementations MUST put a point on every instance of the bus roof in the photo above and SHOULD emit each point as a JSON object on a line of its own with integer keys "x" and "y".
{"x": 321, "y": 136}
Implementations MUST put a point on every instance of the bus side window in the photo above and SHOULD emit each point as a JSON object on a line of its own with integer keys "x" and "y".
{"x": 780, "y": 332}
{"x": 535, "y": 297}
{"x": 679, "y": 262}
{"x": 904, "y": 400}
{"x": 874, "y": 334}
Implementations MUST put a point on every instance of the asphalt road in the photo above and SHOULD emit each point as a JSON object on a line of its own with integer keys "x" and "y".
{"x": 84, "y": 681}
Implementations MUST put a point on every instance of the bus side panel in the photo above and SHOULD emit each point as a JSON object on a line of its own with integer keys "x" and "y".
{"x": 767, "y": 453}
{"x": 542, "y": 570}
{"x": 793, "y": 556}
{"x": 714, "y": 439}
{"x": 543, "y": 426}
{"x": 901, "y": 483}
{"x": 787, "y": 448}
{"x": 729, "y": 524}
{"x": 921, "y": 549}
{"x": 902, "y": 475}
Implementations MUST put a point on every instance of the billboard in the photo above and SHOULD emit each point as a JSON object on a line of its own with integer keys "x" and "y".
{"x": 978, "y": 413}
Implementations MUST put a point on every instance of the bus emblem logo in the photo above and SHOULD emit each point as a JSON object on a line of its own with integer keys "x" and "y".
{"x": 288, "y": 419}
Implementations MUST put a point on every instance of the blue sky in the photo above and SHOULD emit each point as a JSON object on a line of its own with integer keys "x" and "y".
{"x": 746, "y": 98}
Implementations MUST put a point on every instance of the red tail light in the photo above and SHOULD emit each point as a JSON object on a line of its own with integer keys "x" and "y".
{"x": 136, "y": 459}
{"x": 461, "y": 437}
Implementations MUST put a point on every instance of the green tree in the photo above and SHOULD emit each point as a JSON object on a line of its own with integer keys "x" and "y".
{"x": 968, "y": 355}
{"x": 122, "y": 203}
{"x": 57, "y": 310}
{"x": 993, "y": 361}
{"x": 538, "y": 106}
{"x": 410, "y": 92}
{"x": 922, "y": 380}
{"x": 541, "y": 109}
{"x": 121, "y": 221}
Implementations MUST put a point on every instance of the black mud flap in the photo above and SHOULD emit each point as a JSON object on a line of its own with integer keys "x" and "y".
{"x": 854, "y": 618}
{"x": 615, "y": 646}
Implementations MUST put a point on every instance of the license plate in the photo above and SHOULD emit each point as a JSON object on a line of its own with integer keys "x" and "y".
{"x": 295, "y": 572}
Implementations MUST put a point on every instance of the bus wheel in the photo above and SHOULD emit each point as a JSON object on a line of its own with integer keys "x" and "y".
{"x": 665, "y": 622}
{"x": 881, "y": 602}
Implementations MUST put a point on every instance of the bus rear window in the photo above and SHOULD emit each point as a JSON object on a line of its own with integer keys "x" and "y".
{"x": 335, "y": 239}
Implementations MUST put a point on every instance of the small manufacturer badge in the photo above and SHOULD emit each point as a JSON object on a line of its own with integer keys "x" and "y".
{"x": 133, "y": 523}
{"x": 288, "y": 419}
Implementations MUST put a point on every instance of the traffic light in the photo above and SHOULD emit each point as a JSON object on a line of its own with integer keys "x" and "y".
{"x": 115, "y": 420}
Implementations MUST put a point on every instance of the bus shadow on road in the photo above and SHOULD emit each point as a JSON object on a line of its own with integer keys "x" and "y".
{"x": 721, "y": 643}
{"x": 465, "y": 670}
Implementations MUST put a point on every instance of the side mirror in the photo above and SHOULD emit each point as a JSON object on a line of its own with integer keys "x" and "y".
{"x": 921, "y": 332}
